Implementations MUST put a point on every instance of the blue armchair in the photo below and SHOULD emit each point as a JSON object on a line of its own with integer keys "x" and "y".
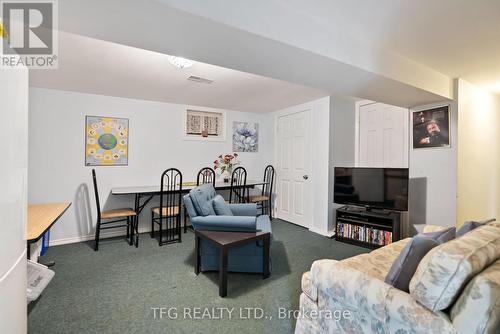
{"x": 247, "y": 258}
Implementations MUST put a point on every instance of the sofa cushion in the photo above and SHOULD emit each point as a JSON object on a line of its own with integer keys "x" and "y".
{"x": 447, "y": 268}
{"x": 406, "y": 264}
{"x": 470, "y": 225}
{"x": 433, "y": 228}
{"x": 374, "y": 306}
{"x": 221, "y": 208}
{"x": 202, "y": 199}
{"x": 477, "y": 310}
{"x": 378, "y": 262}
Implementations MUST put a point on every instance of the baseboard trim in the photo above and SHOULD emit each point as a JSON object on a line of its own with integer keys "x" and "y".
{"x": 145, "y": 229}
{"x": 84, "y": 238}
{"x": 328, "y": 234}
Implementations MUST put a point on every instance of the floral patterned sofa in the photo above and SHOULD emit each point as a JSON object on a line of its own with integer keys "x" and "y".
{"x": 456, "y": 289}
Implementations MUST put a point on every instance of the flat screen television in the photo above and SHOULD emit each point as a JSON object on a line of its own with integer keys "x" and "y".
{"x": 381, "y": 188}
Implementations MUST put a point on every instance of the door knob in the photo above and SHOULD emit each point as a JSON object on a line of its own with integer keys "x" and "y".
{"x": 305, "y": 177}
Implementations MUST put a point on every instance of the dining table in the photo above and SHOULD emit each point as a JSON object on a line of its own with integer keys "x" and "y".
{"x": 144, "y": 194}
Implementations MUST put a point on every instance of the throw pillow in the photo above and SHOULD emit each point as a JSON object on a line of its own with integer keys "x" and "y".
{"x": 220, "y": 206}
{"x": 406, "y": 263}
{"x": 470, "y": 225}
{"x": 442, "y": 236}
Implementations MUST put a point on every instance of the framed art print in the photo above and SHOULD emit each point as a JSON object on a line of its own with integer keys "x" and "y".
{"x": 245, "y": 137}
{"x": 106, "y": 141}
{"x": 431, "y": 128}
{"x": 205, "y": 124}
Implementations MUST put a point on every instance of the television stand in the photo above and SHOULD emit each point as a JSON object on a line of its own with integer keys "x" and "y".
{"x": 379, "y": 211}
{"x": 359, "y": 209}
{"x": 367, "y": 228}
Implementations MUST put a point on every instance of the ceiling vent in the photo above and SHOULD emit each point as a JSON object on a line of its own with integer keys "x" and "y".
{"x": 200, "y": 80}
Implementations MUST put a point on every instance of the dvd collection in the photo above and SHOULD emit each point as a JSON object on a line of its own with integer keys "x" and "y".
{"x": 365, "y": 234}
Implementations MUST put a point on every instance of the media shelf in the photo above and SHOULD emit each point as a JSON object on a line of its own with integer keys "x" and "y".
{"x": 365, "y": 228}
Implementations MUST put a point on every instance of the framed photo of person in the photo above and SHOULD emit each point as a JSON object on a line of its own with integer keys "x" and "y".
{"x": 431, "y": 128}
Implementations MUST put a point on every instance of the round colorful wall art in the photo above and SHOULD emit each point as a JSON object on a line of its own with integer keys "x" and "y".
{"x": 106, "y": 141}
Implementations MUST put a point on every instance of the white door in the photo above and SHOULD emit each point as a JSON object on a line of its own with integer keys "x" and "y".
{"x": 383, "y": 136}
{"x": 293, "y": 168}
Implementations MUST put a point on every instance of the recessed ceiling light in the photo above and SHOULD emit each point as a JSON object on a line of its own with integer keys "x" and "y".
{"x": 180, "y": 62}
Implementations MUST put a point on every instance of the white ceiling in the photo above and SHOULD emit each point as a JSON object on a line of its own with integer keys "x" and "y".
{"x": 98, "y": 67}
{"x": 459, "y": 38}
{"x": 399, "y": 52}
{"x": 282, "y": 43}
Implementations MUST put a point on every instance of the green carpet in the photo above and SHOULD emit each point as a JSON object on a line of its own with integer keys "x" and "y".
{"x": 115, "y": 290}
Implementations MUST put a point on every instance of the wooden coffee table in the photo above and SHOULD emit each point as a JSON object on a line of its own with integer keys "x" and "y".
{"x": 225, "y": 241}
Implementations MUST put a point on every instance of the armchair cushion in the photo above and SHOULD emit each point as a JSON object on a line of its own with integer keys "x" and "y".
{"x": 189, "y": 206}
{"x": 244, "y": 209}
{"x": 224, "y": 223}
{"x": 263, "y": 224}
{"x": 202, "y": 199}
{"x": 221, "y": 208}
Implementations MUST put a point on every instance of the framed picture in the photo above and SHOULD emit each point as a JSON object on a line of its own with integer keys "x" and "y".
{"x": 431, "y": 128}
{"x": 106, "y": 141}
{"x": 245, "y": 137}
{"x": 205, "y": 124}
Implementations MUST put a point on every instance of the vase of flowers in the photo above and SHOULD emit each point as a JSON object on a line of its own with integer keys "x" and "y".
{"x": 224, "y": 165}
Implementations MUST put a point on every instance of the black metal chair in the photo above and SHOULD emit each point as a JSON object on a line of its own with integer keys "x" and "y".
{"x": 238, "y": 192}
{"x": 111, "y": 217}
{"x": 205, "y": 175}
{"x": 264, "y": 200}
{"x": 169, "y": 210}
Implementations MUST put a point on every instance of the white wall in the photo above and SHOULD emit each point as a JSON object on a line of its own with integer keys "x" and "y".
{"x": 13, "y": 197}
{"x": 342, "y": 144}
{"x": 478, "y": 158}
{"x": 56, "y": 153}
{"x": 320, "y": 149}
{"x": 433, "y": 178}
{"x": 343, "y": 122}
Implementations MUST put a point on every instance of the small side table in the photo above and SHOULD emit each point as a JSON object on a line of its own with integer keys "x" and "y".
{"x": 225, "y": 241}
